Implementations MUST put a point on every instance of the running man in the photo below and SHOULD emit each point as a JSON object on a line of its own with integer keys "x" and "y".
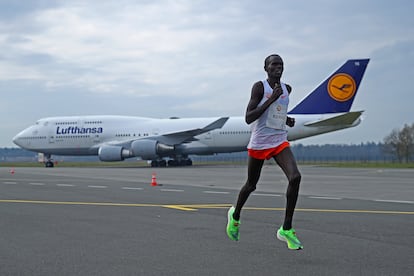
{"x": 267, "y": 114}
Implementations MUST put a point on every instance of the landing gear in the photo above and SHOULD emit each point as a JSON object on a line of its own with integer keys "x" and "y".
{"x": 49, "y": 161}
{"x": 180, "y": 163}
{"x": 172, "y": 163}
{"x": 159, "y": 163}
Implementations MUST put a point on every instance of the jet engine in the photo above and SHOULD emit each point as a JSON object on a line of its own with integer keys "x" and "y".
{"x": 146, "y": 149}
{"x": 113, "y": 153}
{"x": 150, "y": 149}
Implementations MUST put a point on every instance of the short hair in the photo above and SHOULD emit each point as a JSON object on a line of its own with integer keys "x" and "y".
{"x": 268, "y": 58}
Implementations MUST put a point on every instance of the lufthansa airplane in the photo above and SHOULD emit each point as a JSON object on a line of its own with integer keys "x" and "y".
{"x": 170, "y": 141}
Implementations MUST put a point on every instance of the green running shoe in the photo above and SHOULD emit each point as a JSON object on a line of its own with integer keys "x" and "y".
{"x": 232, "y": 228}
{"x": 289, "y": 236}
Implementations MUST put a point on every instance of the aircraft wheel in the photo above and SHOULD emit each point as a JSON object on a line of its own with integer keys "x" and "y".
{"x": 172, "y": 163}
{"x": 162, "y": 163}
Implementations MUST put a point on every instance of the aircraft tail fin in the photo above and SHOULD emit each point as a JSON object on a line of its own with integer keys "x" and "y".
{"x": 336, "y": 94}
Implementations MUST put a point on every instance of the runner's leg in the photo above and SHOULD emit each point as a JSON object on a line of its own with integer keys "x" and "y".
{"x": 287, "y": 163}
{"x": 254, "y": 167}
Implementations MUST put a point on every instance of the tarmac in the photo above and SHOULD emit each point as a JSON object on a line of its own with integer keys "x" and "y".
{"x": 117, "y": 221}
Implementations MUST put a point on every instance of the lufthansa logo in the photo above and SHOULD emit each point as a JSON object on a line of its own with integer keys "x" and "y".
{"x": 341, "y": 87}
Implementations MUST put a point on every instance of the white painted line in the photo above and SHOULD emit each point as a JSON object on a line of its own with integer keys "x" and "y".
{"x": 65, "y": 185}
{"x": 266, "y": 195}
{"x": 97, "y": 187}
{"x": 132, "y": 188}
{"x": 215, "y": 192}
{"x": 171, "y": 190}
{"x": 325, "y": 197}
{"x": 36, "y": 184}
{"x": 394, "y": 201}
{"x": 10, "y": 183}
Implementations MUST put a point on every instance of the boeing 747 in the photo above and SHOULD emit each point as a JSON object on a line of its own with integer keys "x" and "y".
{"x": 171, "y": 141}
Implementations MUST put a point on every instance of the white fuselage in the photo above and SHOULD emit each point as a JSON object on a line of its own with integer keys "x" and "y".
{"x": 84, "y": 135}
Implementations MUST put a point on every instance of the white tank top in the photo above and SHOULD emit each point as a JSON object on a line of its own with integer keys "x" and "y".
{"x": 269, "y": 130}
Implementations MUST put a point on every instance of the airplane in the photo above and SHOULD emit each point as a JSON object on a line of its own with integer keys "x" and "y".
{"x": 115, "y": 138}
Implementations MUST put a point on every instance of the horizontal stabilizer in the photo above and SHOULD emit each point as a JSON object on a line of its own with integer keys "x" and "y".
{"x": 344, "y": 119}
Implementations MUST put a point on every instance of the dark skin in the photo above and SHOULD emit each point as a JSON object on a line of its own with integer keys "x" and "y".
{"x": 285, "y": 159}
{"x": 274, "y": 71}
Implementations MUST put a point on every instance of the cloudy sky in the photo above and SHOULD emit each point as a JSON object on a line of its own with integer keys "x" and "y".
{"x": 192, "y": 58}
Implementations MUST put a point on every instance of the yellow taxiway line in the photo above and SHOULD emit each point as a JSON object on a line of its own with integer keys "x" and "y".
{"x": 195, "y": 207}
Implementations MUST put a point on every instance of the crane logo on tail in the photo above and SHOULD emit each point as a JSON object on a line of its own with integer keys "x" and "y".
{"x": 341, "y": 87}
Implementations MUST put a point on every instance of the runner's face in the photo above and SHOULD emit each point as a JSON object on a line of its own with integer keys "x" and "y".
{"x": 274, "y": 67}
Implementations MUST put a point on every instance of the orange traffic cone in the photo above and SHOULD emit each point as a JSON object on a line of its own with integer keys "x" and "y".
{"x": 154, "y": 180}
{"x": 12, "y": 171}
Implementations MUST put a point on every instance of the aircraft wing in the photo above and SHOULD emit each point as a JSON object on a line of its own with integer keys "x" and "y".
{"x": 345, "y": 119}
{"x": 188, "y": 135}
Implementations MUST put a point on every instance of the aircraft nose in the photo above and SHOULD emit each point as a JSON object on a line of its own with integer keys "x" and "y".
{"x": 19, "y": 138}
{"x": 16, "y": 140}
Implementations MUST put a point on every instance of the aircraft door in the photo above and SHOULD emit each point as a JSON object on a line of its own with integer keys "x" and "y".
{"x": 51, "y": 132}
{"x": 96, "y": 138}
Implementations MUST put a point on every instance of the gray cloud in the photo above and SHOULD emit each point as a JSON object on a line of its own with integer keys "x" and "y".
{"x": 197, "y": 58}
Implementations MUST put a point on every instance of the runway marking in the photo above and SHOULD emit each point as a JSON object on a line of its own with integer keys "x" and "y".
{"x": 276, "y": 195}
{"x": 78, "y": 203}
{"x": 207, "y": 192}
{"x": 65, "y": 185}
{"x": 358, "y": 211}
{"x": 336, "y": 211}
{"x": 36, "y": 184}
{"x": 179, "y": 207}
{"x": 325, "y": 197}
{"x": 171, "y": 190}
{"x": 97, "y": 187}
{"x": 332, "y": 210}
{"x": 195, "y": 207}
{"x": 207, "y": 206}
{"x": 394, "y": 201}
{"x": 215, "y": 192}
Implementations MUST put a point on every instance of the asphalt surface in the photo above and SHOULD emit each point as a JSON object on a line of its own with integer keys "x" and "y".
{"x": 111, "y": 221}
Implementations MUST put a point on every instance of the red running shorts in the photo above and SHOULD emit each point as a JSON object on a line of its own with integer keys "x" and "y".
{"x": 267, "y": 153}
